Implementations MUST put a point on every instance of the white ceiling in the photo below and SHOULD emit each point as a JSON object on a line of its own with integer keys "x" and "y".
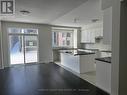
{"x": 58, "y": 12}
{"x": 84, "y": 14}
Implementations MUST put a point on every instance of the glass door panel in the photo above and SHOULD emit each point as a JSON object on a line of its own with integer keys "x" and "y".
{"x": 16, "y": 49}
{"x": 23, "y": 45}
{"x": 31, "y": 48}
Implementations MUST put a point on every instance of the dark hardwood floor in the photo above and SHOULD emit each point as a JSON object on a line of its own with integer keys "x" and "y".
{"x": 44, "y": 79}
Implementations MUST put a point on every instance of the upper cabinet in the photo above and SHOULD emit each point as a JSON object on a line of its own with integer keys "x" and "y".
{"x": 107, "y": 26}
{"x": 106, "y": 4}
{"x": 90, "y": 32}
{"x": 87, "y": 36}
{"x": 99, "y": 32}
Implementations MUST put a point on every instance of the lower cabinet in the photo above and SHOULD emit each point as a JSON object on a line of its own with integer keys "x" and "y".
{"x": 103, "y": 76}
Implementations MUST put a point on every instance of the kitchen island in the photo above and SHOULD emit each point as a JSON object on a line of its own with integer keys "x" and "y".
{"x": 78, "y": 61}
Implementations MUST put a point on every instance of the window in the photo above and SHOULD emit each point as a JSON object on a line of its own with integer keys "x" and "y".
{"x": 22, "y": 31}
{"x": 62, "y": 38}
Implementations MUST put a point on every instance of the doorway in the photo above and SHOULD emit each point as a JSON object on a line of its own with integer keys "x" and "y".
{"x": 23, "y": 46}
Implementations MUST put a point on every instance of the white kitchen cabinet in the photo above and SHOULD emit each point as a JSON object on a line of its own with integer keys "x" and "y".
{"x": 99, "y": 32}
{"x": 106, "y": 4}
{"x": 92, "y": 36}
{"x": 103, "y": 75}
{"x": 105, "y": 54}
{"x": 91, "y": 31}
{"x": 84, "y": 37}
{"x": 88, "y": 36}
{"x": 107, "y": 26}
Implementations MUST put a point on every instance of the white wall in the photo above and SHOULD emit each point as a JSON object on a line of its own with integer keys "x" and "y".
{"x": 78, "y": 38}
{"x": 98, "y": 45}
{"x": 115, "y": 47}
{"x": 107, "y": 23}
{"x": 45, "y": 40}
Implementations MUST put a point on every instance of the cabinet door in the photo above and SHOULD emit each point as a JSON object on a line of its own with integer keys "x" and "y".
{"x": 96, "y": 32}
{"x": 107, "y": 20}
{"x": 103, "y": 75}
{"x": 92, "y": 36}
{"x": 88, "y": 36}
{"x": 100, "y": 74}
{"x": 101, "y": 32}
{"x": 84, "y": 36}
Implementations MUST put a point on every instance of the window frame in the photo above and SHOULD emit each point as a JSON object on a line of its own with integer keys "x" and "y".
{"x": 63, "y": 31}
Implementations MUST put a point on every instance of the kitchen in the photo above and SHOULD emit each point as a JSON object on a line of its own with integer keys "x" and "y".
{"x": 80, "y": 41}
{"x": 89, "y": 55}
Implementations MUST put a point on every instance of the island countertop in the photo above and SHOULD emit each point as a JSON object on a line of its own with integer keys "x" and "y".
{"x": 76, "y": 52}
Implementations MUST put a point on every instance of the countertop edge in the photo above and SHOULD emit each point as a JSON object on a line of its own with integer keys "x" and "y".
{"x": 103, "y": 60}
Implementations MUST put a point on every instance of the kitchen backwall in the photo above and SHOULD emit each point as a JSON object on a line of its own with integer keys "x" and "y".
{"x": 98, "y": 45}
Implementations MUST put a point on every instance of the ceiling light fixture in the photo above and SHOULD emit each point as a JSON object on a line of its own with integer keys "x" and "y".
{"x": 76, "y": 20}
{"x": 25, "y": 12}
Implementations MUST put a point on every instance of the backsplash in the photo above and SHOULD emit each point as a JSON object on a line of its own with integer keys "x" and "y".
{"x": 98, "y": 45}
{"x": 98, "y": 41}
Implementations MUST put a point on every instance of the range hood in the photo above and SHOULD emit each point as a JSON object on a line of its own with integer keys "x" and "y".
{"x": 99, "y": 37}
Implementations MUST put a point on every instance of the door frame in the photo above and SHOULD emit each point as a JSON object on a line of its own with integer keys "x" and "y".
{"x": 19, "y": 34}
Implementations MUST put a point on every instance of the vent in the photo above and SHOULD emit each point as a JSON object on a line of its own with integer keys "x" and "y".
{"x": 25, "y": 12}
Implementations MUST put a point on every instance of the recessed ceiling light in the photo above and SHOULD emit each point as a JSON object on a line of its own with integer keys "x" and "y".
{"x": 25, "y": 12}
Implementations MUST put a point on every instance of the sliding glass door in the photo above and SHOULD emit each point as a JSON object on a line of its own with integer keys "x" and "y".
{"x": 23, "y": 46}
{"x": 31, "y": 49}
{"x": 16, "y": 49}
